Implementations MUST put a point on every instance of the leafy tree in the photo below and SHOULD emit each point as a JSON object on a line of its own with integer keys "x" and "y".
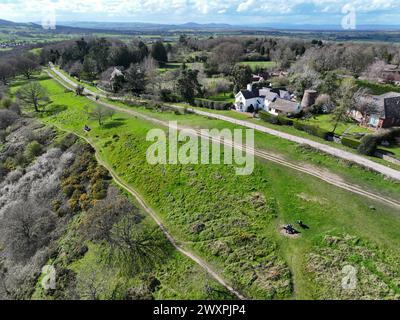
{"x": 143, "y": 50}
{"x": 188, "y": 85}
{"x": 346, "y": 101}
{"x": 89, "y": 69}
{"x": 135, "y": 78}
{"x": 241, "y": 76}
{"x": 329, "y": 84}
{"x": 159, "y": 53}
{"x": 121, "y": 56}
{"x": 79, "y": 90}
{"x": 83, "y": 47}
{"x": 33, "y": 94}
{"x": 100, "y": 51}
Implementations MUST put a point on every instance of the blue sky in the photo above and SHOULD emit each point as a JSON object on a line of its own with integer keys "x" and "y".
{"x": 204, "y": 11}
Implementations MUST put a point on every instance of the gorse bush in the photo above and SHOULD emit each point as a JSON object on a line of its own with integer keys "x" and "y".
{"x": 33, "y": 149}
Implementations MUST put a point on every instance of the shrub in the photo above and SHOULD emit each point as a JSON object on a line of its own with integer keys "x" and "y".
{"x": 368, "y": 145}
{"x": 210, "y": 104}
{"x": 7, "y": 118}
{"x": 352, "y": 143}
{"x": 33, "y": 149}
{"x": 279, "y": 120}
{"x": 370, "y": 142}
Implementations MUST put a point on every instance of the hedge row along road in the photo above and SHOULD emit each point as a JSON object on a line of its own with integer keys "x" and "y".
{"x": 322, "y": 175}
{"x": 339, "y": 153}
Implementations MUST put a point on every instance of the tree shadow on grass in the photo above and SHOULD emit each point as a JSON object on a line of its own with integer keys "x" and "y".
{"x": 54, "y": 109}
{"x": 114, "y": 124}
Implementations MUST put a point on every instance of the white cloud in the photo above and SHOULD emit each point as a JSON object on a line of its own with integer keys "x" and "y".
{"x": 245, "y": 6}
{"x": 199, "y": 10}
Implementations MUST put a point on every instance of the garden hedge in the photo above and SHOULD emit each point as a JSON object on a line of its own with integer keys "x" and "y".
{"x": 352, "y": 143}
{"x": 313, "y": 130}
{"x": 210, "y": 104}
{"x": 279, "y": 120}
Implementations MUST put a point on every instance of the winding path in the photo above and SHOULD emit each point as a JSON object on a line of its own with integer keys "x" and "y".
{"x": 119, "y": 181}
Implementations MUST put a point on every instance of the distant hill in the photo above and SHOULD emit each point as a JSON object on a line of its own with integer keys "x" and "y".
{"x": 138, "y": 26}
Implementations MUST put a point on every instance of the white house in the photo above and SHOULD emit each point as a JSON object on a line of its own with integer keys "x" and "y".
{"x": 274, "y": 101}
{"x": 248, "y": 100}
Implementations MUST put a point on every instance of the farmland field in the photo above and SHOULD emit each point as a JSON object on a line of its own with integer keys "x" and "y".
{"x": 254, "y": 65}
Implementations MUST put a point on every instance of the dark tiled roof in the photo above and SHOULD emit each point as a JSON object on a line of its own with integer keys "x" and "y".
{"x": 249, "y": 94}
{"x": 392, "y": 108}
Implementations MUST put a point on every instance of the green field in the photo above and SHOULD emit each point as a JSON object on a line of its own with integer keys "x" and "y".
{"x": 172, "y": 66}
{"x": 254, "y": 65}
{"x": 234, "y": 222}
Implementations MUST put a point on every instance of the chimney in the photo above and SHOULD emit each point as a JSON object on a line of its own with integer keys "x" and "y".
{"x": 250, "y": 87}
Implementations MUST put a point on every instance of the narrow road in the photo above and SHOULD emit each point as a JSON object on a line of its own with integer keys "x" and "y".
{"x": 339, "y": 153}
{"x": 315, "y": 172}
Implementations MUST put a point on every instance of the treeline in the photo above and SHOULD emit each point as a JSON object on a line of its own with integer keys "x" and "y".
{"x": 25, "y": 63}
{"x": 89, "y": 58}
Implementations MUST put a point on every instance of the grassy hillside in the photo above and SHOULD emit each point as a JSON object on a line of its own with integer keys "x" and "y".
{"x": 235, "y": 222}
{"x": 58, "y": 206}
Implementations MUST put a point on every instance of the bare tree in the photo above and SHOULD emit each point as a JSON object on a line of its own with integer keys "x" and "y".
{"x": 375, "y": 70}
{"x": 76, "y": 70}
{"x": 7, "y": 118}
{"x": 364, "y": 104}
{"x": 100, "y": 114}
{"x": 226, "y": 55}
{"x": 26, "y": 66}
{"x": 150, "y": 66}
{"x": 92, "y": 282}
{"x": 7, "y": 72}
{"x": 134, "y": 247}
{"x": 33, "y": 94}
{"x": 26, "y": 229}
